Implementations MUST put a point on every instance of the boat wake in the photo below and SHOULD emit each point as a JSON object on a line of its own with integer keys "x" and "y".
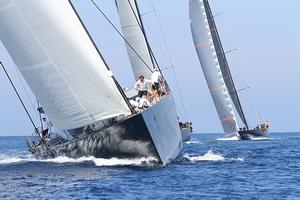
{"x": 261, "y": 138}
{"x": 234, "y": 138}
{"x": 208, "y": 156}
{"x": 101, "y": 162}
{"x": 192, "y": 142}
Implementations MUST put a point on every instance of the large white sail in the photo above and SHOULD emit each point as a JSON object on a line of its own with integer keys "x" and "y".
{"x": 59, "y": 62}
{"x": 138, "y": 52}
{"x": 210, "y": 65}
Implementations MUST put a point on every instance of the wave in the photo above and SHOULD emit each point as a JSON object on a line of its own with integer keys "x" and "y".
{"x": 105, "y": 162}
{"x": 262, "y": 138}
{"x": 208, "y": 156}
{"x": 234, "y": 138}
{"x": 149, "y": 161}
{"x": 192, "y": 142}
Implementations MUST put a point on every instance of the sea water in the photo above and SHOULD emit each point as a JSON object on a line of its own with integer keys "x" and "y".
{"x": 210, "y": 167}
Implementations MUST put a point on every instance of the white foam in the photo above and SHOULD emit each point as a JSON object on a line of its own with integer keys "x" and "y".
{"x": 5, "y": 159}
{"x": 234, "y": 138}
{"x": 261, "y": 138}
{"x": 10, "y": 160}
{"x": 192, "y": 142}
{"x": 103, "y": 161}
{"x": 208, "y": 156}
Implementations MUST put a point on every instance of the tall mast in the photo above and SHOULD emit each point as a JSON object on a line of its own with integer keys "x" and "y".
{"x": 224, "y": 64}
{"x": 141, "y": 24}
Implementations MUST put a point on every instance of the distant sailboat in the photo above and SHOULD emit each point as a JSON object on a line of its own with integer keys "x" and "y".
{"x": 66, "y": 72}
{"x": 217, "y": 73}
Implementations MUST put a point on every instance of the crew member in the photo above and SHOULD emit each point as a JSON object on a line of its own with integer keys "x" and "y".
{"x": 143, "y": 102}
{"x": 142, "y": 86}
{"x": 46, "y": 125}
{"x": 156, "y": 78}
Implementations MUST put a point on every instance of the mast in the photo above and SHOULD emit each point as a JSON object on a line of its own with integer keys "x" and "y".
{"x": 141, "y": 24}
{"x": 139, "y": 19}
{"x": 138, "y": 48}
{"x": 153, "y": 58}
{"x": 223, "y": 63}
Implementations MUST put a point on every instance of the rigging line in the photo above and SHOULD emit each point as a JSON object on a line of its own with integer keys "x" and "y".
{"x": 140, "y": 23}
{"x": 242, "y": 78}
{"x": 20, "y": 99}
{"x": 218, "y": 40}
{"x": 159, "y": 45}
{"x": 100, "y": 55}
{"x": 162, "y": 33}
{"x": 120, "y": 34}
{"x": 180, "y": 95}
{"x": 169, "y": 58}
{"x": 146, "y": 13}
{"x": 25, "y": 90}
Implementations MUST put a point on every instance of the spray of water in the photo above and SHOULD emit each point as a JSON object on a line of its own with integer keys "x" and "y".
{"x": 144, "y": 161}
{"x": 208, "y": 156}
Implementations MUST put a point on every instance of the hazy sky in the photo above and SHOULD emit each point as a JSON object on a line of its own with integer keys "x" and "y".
{"x": 266, "y": 34}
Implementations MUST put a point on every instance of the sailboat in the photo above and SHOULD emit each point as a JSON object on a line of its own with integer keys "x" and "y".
{"x": 217, "y": 72}
{"x": 143, "y": 62}
{"x": 66, "y": 72}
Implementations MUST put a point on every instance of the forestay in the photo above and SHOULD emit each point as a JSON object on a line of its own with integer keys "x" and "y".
{"x": 210, "y": 65}
{"x": 59, "y": 62}
{"x": 138, "y": 52}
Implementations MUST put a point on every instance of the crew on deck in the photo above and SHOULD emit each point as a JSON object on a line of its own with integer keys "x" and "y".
{"x": 44, "y": 130}
{"x": 142, "y": 86}
{"x": 156, "y": 79}
{"x": 46, "y": 126}
{"x": 149, "y": 92}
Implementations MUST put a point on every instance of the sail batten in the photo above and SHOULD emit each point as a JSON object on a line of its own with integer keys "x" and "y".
{"x": 136, "y": 43}
{"x": 59, "y": 62}
{"x": 207, "y": 53}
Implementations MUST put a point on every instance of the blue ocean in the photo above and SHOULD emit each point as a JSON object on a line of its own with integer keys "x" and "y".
{"x": 210, "y": 167}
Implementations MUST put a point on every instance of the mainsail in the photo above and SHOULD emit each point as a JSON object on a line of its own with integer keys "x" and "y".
{"x": 136, "y": 43}
{"x": 223, "y": 62}
{"x": 59, "y": 62}
{"x": 211, "y": 66}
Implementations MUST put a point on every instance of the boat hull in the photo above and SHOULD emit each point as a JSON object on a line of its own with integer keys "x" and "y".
{"x": 253, "y": 133}
{"x": 154, "y": 132}
{"x": 186, "y": 134}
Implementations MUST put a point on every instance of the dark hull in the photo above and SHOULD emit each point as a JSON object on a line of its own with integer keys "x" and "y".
{"x": 253, "y": 133}
{"x": 186, "y": 134}
{"x": 154, "y": 132}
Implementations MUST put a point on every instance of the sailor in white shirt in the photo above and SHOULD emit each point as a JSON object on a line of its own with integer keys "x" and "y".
{"x": 143, "y": 102}
{"x": 46, "y": 126}
{"x": 156, "y": 78}
{"x": 142, "y": 86}
{"x": 134, "y": 103}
